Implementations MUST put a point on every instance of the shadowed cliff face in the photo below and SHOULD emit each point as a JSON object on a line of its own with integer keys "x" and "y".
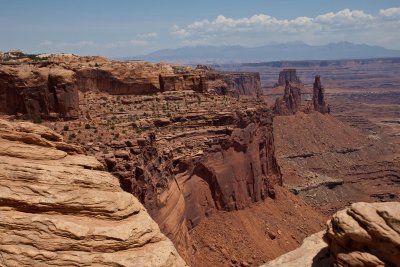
{"x": 237, "y": 169}
{"x": 233, "y": 83}
{"x": 38, "y": 91}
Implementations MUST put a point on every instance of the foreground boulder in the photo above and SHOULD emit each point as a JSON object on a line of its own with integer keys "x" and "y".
{"x": 313, "y": 252}
{"x": 366, "y": 234}
{"x": 59, "y": 208}
{"x": 362, "y": 235}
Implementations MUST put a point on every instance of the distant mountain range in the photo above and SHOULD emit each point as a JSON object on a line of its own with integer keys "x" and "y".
{"x": 271, "y": 52}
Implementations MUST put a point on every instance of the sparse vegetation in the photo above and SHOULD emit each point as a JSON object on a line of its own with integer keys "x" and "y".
{"x": 37, "y": 120}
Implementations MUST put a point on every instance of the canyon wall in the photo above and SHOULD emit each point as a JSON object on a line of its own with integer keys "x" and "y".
{"x": 39, "y": 91}
{"x": 144, "y": 78}
{"x": 49, "y": 89}
{"x": 233, "y": 83}
{"x": 120, "y": 78}
{"x": 234, "y": 167}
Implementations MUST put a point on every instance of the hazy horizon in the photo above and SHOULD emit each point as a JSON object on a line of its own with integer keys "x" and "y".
{"x": 133, "y": 28}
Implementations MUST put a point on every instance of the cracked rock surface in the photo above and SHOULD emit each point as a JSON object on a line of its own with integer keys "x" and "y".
{"x": 58, "y": 208}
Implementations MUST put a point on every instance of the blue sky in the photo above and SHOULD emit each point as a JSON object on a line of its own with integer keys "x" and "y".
{"x": 126, "y": 28}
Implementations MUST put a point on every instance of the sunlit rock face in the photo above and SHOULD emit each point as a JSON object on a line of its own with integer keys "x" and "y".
{"x": 59, "y": 208}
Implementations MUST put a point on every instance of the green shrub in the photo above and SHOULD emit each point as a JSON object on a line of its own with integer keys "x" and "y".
{"x": 37, "y": 120}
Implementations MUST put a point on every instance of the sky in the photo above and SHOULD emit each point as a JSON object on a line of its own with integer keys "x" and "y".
{"x": 119, "y": 28}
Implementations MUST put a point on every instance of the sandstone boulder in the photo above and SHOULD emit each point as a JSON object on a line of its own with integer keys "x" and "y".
{"x": 58, "y": 208}
{"x": 366, "y": 234}
{"x": 362, "y": 235}
{"x": 313, "y": 252}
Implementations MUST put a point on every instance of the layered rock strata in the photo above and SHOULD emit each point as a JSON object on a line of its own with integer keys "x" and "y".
{"x": 184, "y": 155}
{"x": 121, "y": 78}
{"x": 48, "y": 86}
{"x": 232, "y": 169}
{"x": 58, "y": 208}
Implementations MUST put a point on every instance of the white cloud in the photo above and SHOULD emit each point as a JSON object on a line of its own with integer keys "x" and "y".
{"x": 256, "y": 22}
{"x": 342, "y": 25}
{"x": 181, "y": 33}
{"x": 390, "y": 13}
{"x": 345, "y": 16}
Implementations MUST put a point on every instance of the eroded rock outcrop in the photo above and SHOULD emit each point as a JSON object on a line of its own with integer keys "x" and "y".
{"x": 290, "y": 103}
{"x": 319, "y": 97}
{"x": 121, "y": 78}
{"x": 232, "y": 167}
{"x": 58, "y": 208}
{"x": 233, "y": 83}
{"x": 362, "y": 235}
{"x": 139, "y": 77}
{"x": 39, "y": 91}
{"x": 289, "y": 75}
{"x": 366, "y": 234}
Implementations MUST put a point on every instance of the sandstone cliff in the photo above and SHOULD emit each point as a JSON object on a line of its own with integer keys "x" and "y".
{"x": 232, "y": 83}
{"x": 59, "y": 209}
{"x": 183, "y": 155}
{"x": 288, "y": 75}
{"x": 39, "y": 91}
{"x": 235, "y": 167}
{"x": 123, "y": 78}
{"x": 120, "y": 78}
{"x": 48, "y": 86}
